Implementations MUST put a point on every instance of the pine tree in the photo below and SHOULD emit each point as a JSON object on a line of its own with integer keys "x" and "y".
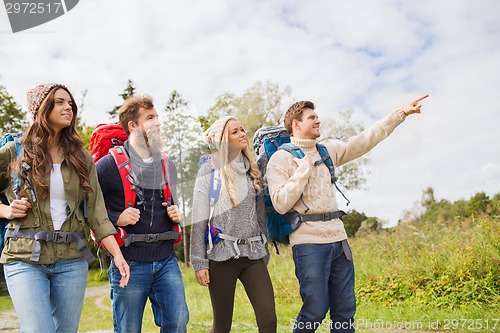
{"x": 181, "y": 135}
{"x": 129, "y": 91}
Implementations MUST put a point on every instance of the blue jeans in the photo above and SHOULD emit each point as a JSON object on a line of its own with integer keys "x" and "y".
{"x": 161, "y": 282}
{"x": 326, "y": 279}
{"x": 47, "y": 298}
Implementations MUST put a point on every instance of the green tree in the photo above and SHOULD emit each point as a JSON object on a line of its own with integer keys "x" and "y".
{"x": 351, "y": 175}
{"x": 428, "y": 200}
{"x": 262, "y": 104}
{"x": 225, "y": 105}
{"x": 127, "y": 92}
{"x": 353, "y": 222}
{"x": 478, "y": 204}
{"x": 370, "y": 225}
{"x": 181, "y": 134}
{"x": 84, "y": 130}
{"x": 495, "y": 204}
{"x": 12, "y": 118}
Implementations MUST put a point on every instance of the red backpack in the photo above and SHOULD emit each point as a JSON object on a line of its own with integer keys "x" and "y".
{"x": 109, "y": 139}
{"x": 104, "y": 137}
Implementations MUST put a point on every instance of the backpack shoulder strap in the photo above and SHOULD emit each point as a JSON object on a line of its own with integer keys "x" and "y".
{"x": 19, "y": 146}
{"x": 167, "y": 192}
{"x": 19, "y": 150}
{"x": 129, "y": 180}
{"x": 215, "y": 183}
{"x": 213, "y": 197}
{"x": 168, "y": 196}
{"x": 215, "y": 186}
{"x": 293, "y": 149}
{"x": 325, "y": 158}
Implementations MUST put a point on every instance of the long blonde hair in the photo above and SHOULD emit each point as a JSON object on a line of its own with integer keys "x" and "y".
{"x": 228, "y": 173}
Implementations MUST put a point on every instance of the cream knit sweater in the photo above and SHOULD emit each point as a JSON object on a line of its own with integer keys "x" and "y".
{"x": 288, "y": 178}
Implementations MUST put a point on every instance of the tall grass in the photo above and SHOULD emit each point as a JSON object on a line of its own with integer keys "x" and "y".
{"x": 446, "y": 273}
{"x": 454, "y": 264}
{"x": 443, "y": 276}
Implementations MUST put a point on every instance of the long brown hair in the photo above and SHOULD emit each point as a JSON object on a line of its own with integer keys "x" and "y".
{"x": 36, "y": 142}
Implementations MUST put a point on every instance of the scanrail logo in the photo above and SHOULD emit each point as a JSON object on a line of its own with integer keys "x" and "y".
{"x": 26, "y": 14}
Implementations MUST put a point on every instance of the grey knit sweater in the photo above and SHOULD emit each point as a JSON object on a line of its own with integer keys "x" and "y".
{"x": 246, "y": 219}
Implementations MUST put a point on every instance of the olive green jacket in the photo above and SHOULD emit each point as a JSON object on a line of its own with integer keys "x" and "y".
{"x": 39, "y": 216}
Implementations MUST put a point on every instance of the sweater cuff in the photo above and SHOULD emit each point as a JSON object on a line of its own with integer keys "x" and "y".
{"x": 391, "y": 121}
{"x": 199, "y": 264}
{"x": 402, "y": 114}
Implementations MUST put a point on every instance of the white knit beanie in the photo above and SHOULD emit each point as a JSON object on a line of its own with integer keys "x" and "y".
{"x": 213, "y": 135}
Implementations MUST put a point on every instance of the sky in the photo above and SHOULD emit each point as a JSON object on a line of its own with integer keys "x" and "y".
{"x": 368, "y": 56}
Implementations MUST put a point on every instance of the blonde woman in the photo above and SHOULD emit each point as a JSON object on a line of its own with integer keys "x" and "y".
{"x": 228, "y": 239}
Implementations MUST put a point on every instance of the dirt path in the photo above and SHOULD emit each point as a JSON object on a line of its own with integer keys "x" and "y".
{"x": 101, "y": 293}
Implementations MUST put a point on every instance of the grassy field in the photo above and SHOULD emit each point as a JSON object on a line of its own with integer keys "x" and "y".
{"x": 442, "y": 277}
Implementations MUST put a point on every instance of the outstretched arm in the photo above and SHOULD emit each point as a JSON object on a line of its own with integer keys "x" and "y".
{"x": 358, "y": 145}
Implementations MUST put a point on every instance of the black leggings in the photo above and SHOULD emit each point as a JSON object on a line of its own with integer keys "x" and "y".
{"x": 255, "y": 278}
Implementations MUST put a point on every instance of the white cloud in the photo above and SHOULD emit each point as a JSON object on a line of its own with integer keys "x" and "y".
{"x": 368, "y": 56}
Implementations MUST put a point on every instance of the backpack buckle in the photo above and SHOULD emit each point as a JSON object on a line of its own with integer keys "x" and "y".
{"x": 59, "y": 237}
{"x": 151, "y": 238}
{"x": 325, "y": 217}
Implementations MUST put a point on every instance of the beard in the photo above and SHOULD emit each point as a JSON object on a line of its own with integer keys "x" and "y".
{"x": 154, "y": 141}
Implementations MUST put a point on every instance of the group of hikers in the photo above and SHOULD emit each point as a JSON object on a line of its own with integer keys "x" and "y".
{"x": 54, "y": 188}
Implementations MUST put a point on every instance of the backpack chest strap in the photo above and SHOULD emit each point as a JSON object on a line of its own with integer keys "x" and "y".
{"x": 323, "y": 216}
{"x": 295, "y": 219}
{"x": 150, "y": 238}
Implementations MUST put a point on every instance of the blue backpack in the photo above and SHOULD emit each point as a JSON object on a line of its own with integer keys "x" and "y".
{"x": 266, "y": 142}
{"x": 3, "y": 222}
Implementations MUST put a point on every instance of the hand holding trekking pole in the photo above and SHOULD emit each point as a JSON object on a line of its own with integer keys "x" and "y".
{"x": 413, "y": 107}
{"x": 17, "y": 209}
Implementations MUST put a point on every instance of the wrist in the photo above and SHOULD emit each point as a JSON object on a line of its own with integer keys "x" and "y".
{"x": 120, "y": 223}
{"x": 402, "y": 112}
{"x": 3, "y": 213}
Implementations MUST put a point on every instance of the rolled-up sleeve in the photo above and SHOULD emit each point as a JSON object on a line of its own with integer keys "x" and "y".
{"x": 98, "y": 219}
